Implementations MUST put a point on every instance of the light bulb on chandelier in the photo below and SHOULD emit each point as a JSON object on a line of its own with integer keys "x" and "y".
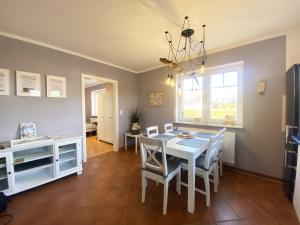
{"x": 202, "y": 67}
{"x": 168, "y": 80}
{"x": 172, "y": 83}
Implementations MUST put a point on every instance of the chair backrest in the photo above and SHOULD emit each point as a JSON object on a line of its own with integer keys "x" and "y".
{"x": 222, "y": 133}
{"x": 168, "y": 127}
{"x": 152, "y": 131}
{"x": 212, "y": 150}
{"x": 153, "y": 155}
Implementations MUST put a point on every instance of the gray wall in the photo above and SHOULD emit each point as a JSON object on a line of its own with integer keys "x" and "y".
{"x": 259, "y": 146}
{"x": 55, "y": 116}
{"x": 88, "y": 100}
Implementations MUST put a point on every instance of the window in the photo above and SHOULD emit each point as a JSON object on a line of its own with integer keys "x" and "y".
{"x": 214, "y": 98}
{"x": 94, "y": 103}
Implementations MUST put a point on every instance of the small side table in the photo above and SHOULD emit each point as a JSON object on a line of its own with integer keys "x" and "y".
{"x": 135, "y": 136}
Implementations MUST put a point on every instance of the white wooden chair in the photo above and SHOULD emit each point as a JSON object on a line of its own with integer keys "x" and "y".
{"x": 207, "y": 164}
{"x": 157, "y": 167}
{"x": 152, "y": 131}
{"x": 221, "y": 149}
{"x": 168, "y": 127}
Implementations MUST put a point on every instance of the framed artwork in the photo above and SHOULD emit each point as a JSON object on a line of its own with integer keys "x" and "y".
{"x": 28, "y": 84}
{"x": 4, "y": 82}
{"x": 27, "y": 130}
{"x": 156, "y": 98}
{"x": 56, "y": 87}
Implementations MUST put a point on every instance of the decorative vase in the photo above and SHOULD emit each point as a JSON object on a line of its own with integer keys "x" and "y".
{"x": 135, "y": 128}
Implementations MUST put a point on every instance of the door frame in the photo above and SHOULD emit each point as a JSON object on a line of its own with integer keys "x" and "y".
{"x": 115, "y": 105}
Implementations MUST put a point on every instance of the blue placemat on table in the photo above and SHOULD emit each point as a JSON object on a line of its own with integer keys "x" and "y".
{"x": 164, "y": 136}
{"x": 194, "y": 143}
{"x": 204, "y": 135}
{"x": 176, "y": 131}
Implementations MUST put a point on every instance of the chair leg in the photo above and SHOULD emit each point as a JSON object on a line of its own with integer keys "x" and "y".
{"x": 166, "y": 188}
{"x": 207, "y": 189}
{"x": 144, "y": 184}
{"x": 216, "y": 178}
{"x": 221, "y": 166}
{"x": 178, "y": 182}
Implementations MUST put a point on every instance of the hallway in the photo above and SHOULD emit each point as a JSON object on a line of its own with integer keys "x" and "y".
{"x": 95, "y": 148}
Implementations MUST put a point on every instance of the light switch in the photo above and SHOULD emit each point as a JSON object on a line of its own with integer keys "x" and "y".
{"x": 121, "y": 112}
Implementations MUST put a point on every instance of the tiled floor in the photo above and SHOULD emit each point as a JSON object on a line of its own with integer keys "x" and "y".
{"x": 108, "y": 193}
{"x": 95, "y": 148}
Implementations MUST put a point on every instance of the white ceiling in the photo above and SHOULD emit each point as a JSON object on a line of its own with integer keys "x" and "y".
{"x": 130, "y": 33}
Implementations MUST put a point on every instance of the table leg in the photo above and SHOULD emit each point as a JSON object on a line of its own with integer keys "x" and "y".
{"x": 125, "y": 142}
{"x": 136, "y": 144}
{"x": 191, "y": 185}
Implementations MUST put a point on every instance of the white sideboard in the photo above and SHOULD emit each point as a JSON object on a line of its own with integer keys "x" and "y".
{"x": 32, "y": 164}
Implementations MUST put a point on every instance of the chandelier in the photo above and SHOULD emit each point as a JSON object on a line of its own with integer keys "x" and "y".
{"x": 185, "y": 51}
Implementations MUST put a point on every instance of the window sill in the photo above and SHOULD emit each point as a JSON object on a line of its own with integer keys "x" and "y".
{"x": 210, "y": 125}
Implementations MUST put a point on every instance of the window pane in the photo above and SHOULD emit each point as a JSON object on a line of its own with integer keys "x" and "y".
{"x": 216, "y": 80}
{"x": 192, "y": 83}
{"x": 197, "y": 83}
{"x": 94, "y": 103}
{"x": 188, "y": 84}
{"x": 230, "y": 79}
{"x": 192, "y": 104}
{"x": 223, "y": 104}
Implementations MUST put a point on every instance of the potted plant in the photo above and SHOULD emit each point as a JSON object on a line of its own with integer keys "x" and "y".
{"x": 135, "y": 120}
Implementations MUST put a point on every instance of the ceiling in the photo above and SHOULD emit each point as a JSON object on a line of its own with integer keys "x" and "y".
{"x": 129, "y": 34}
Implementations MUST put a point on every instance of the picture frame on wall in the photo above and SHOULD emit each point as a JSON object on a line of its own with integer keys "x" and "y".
{"x": 56, "y": 86}
{"x": 4, "y": 82}
{"x": 28, "y": 84}
{"x": 156, "y": 98}
{"x": 27, "y": 130}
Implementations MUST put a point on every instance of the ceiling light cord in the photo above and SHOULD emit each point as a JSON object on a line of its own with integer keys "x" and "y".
{"x": 184, "y": 51}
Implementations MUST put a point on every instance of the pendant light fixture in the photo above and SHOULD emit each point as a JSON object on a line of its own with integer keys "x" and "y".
{"x": 185, "y": 51}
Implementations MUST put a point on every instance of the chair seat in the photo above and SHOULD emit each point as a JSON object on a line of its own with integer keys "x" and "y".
{"x": 173, "y": 164}
{"x": 200, "y": 161}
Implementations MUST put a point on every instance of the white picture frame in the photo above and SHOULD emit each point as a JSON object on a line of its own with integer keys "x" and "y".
{"x": 4, "y": 82}
{"x": 28, "y": 84}
{"x": 27, "y": 130}
{"x": 56, "y": 86}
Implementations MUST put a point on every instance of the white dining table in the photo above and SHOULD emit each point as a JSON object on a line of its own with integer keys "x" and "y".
{"x": 190, "y": 154}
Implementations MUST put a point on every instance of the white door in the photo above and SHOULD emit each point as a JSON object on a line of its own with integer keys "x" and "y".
{"x": 100, "y": 115}
{"x": 104, "y": 116}
{"x": 108, "y": 118}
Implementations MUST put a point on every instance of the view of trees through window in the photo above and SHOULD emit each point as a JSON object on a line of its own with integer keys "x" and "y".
{"x": 224, "y": 91}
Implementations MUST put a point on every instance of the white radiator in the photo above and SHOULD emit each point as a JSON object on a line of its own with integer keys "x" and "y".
{"x": 229, "y": 143}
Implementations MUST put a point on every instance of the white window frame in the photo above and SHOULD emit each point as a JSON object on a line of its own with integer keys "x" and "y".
{"x": 206, "y": 91}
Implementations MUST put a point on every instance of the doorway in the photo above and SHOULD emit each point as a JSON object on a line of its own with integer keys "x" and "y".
{"x": 99, "y": 115}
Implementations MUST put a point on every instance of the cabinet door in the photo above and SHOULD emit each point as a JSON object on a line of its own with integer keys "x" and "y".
{"x": 68, "y": 157}
{"x": 6, "y": 172}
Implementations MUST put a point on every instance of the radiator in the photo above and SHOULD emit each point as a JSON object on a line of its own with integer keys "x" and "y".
{"x": 228, "y": 144}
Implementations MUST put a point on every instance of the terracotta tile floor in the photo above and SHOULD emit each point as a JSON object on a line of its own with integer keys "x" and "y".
{"x": 108, "y": 193}
{"x": 95, "y": 148}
